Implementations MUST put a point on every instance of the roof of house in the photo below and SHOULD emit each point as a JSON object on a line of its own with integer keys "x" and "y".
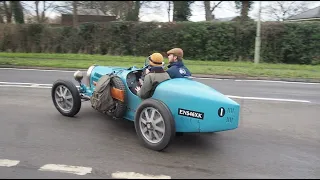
{"x": 225, "y": 19}
{"x": 311, "y": 13}
{"x": 82, "y": 11}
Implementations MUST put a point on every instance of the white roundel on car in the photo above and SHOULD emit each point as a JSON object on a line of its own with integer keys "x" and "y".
{"x": 182, "y": 71}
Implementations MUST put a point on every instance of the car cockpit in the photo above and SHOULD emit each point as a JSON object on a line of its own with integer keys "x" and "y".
{"x": 133, "y": 80}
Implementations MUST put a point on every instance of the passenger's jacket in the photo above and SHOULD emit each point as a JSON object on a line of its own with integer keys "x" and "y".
{"x": 151, "y": 80}
{"x": 178, "y": 70}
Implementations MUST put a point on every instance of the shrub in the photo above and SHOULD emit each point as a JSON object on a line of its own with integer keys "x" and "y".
{"x": 297, "y": 43}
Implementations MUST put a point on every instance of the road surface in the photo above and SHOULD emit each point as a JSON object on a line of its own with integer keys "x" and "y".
{"x": 276, "y": 138}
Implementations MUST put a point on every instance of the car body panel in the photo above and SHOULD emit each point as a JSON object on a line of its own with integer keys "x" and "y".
{"x": 195, "y": 106}
{"x": 189, "y": 95}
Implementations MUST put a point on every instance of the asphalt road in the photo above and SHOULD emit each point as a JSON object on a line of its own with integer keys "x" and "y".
{"x": 246, "y": 88}
{"x": 275, "y": 139}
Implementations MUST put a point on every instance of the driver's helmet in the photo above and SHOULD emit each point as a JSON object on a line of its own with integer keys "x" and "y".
{"x": 156, "y": 59}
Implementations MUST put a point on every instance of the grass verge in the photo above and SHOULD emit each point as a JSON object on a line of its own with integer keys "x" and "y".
{"x": 83, "y": 61}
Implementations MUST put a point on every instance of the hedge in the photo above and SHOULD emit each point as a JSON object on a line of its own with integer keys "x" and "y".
{"x": 295, "y": 43}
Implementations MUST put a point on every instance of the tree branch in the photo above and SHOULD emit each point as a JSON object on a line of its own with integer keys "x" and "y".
{"x": 215, "y": 6}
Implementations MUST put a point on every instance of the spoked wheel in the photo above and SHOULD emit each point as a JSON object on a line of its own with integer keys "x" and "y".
{"x": 154, "y": 124}
{"x": 66, "y": 98}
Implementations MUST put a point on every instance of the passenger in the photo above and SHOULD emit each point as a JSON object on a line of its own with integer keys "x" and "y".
{"x": 154, "y": 76}
{"x": 176, "y": 68}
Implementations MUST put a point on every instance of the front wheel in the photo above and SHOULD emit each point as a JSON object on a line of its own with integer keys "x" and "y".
{"x": 154, "y": 124}
{"x": 66, "y": 98}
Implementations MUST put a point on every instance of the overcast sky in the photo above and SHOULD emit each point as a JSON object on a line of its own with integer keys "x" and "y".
{"x": 226, "y": 9}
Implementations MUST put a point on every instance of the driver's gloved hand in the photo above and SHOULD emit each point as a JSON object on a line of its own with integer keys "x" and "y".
{"x": 141, "y": 82}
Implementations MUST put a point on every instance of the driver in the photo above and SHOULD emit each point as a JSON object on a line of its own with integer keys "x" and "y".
{"x": 176, "y": 68}
{"x": 154, "y": 76}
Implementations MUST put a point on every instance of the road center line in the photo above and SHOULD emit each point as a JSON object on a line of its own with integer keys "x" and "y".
{"x": 48, "y": 86}
{"x": 204, "y": 78}
{"x": 20, "y": 83}
{"x": 133, "y": 175}
{"x": 8, "y": 162}
{"x": 24, "y": 86}
{"x": 78, "y": 170}
{"x": 43, "y": 70}
{"x": 270, "y": 81}
{"x": 268, "y": 99}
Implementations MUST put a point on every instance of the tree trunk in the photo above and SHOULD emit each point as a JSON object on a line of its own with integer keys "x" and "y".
{"x": 75, "y": 13}
{"x": 169, "y": 10}
{"x": 17, "y": 12}
{"x": 133, "y": 9}
{"x": 244, "y": 10}
{"x": 207, "y": 10}
{"x": 1, "y": 19}
{"x": 136, "y": 10}
{"x": 175, "y": 11}
{"x": 37, "y": 11}
{"x": 43, "y": 14}
{"x": 8, "y": 11}
{"x": 128, "y": 10}
{"x": 181, "y": 10}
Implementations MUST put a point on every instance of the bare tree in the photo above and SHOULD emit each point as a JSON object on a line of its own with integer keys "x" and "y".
{"x": 41, "y": 14}
{"x": 169, "y": 10}
{"x": 38, "y": 11}
{"x": 153, "y": 8}
{"x": 103, "y": 6}
{"x": 17, "y": 11}
{"x": 280, "y": 10}
{"x": 209, "y": 9}
{"x": 75, "y": 13}
{"x": 8, "y": 11}
{"x": 1, "y": 14}
{"x": 65, "y": 7}
{"x": 123, "y": 10}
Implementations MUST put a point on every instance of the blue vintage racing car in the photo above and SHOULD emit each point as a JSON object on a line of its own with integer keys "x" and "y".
{"x": 180, "y": 105}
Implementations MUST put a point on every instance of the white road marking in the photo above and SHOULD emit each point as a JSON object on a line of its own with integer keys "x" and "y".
{"x": 133, "y": 175}
{"x": 8, "y": 162}
{"x": 270, "y": 81}
{"x": 268, "y": 99}
{"x": 78, "y": 170}
{"x": 43, "y": 70}
{"x": 24, "y": 86}
{"x": 208, "y": 78}
{"x": 205, "y": 78}
{"x": 48, "y": 86}
{"x": 20, "y": 83}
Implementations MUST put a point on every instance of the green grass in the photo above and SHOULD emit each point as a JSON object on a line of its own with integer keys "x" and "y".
{"x": 83, "y": 61}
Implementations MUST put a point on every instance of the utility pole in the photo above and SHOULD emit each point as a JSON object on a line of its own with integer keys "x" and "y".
{"x": 258, "y": 38}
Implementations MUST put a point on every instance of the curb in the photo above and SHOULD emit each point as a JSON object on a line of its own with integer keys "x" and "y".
{"x": 213, "y": 76}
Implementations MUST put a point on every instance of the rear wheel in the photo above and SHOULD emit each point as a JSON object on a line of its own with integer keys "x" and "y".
{"x": 154, "y": 124}
{"x": 66, "y": 97}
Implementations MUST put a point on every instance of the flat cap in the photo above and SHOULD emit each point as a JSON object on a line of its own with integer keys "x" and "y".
{"x": 176, "y": 51}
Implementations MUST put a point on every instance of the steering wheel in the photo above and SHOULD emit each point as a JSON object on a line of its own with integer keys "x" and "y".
{"x": 145, "y": 67}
